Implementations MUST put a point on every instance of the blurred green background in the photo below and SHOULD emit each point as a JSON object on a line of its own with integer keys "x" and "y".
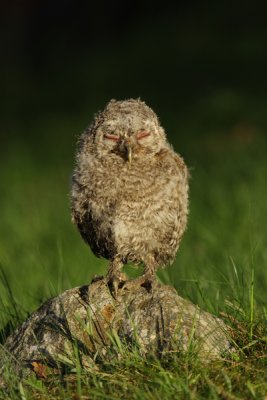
{"x": 202, "y": 68}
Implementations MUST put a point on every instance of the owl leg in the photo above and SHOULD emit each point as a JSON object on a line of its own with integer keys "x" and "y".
{"x": 115, "y": 278}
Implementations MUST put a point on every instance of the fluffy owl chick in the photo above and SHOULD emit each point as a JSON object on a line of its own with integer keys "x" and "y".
{"x": 129, "y": 195}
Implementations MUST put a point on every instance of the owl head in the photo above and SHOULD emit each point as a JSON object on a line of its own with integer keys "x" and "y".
{"x": 127, "y": 129}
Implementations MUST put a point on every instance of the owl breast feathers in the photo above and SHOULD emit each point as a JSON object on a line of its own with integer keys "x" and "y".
{"x": 129, "y": 195}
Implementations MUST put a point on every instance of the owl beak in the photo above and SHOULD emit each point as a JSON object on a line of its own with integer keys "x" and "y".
{"x": 128, "y": 148}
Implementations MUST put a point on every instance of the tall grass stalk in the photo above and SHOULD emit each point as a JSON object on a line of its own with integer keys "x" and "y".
{"x": 251, "y": 303}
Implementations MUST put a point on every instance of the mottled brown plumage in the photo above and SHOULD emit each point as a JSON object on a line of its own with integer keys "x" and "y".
{"x": 129, "y": 190}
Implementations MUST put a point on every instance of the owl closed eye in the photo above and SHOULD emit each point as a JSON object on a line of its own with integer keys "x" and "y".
{"x": 130, "y": 138}
{"x": 116, "y": 137}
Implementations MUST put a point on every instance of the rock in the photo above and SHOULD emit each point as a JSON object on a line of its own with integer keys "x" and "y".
{"x": 155, "y": 320}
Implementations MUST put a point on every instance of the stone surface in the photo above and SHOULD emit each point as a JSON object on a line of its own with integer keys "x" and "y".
{"x": 156, "y": 320}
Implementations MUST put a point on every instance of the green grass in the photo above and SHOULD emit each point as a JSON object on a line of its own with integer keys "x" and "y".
{"x": 221, "y": 264}
{"x": 126, "y": 374}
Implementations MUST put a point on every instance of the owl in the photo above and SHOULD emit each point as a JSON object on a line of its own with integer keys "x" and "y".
{"x": 129, "y": 196}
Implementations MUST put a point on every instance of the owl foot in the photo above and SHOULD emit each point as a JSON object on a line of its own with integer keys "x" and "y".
{"x": 116, "y": 282}
{"x": 145, "y": 281}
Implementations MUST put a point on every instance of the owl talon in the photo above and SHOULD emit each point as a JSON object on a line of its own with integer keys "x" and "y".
{"x": 144, "y": 281}
{"x": 148, "y": 283}
{"x": 115, "y": 283}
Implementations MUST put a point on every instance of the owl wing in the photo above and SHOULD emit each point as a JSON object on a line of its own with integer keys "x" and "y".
{"x": 175, "y": 164}
{"x": 176, "y": 200}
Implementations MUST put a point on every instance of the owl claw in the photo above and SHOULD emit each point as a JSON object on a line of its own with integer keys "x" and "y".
{"x": 145, "y": 281}
{"x": 115, "y": 283}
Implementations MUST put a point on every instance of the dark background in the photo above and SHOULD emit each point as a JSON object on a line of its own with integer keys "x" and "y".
{"x": 201, "y": 63}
